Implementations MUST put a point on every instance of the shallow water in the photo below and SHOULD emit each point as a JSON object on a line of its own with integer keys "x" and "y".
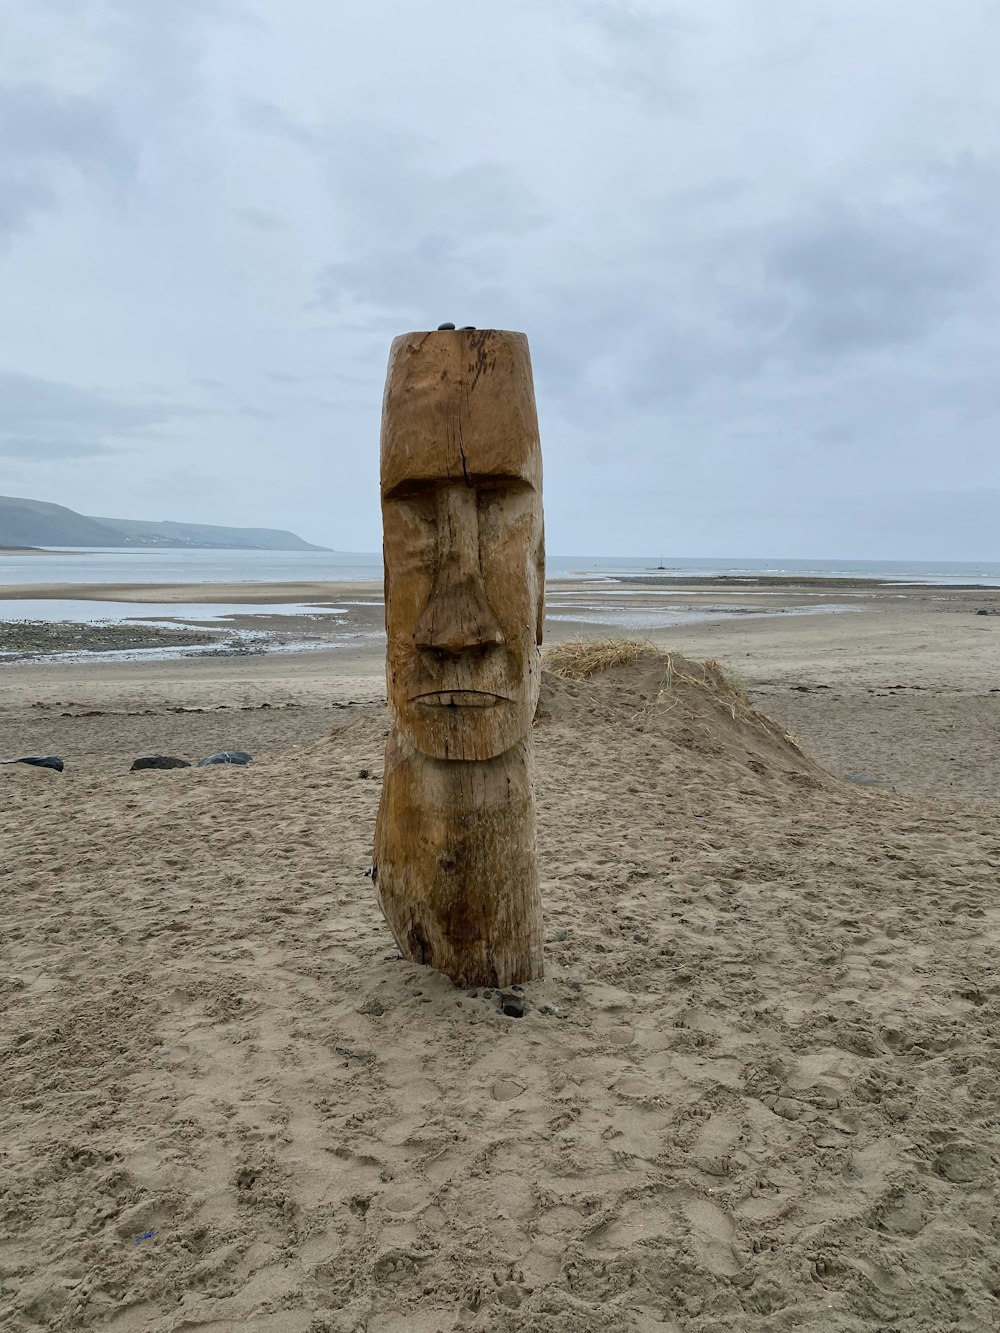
{"x": 170, "y": 614}
{"x": 664, "y": 618}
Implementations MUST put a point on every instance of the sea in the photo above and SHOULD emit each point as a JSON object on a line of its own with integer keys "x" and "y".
{"x": 104, "y": 565}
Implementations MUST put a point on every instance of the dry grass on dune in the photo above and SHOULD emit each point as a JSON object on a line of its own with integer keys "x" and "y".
{"x": 583, "y": 659}
{"x": 578, "y": 659}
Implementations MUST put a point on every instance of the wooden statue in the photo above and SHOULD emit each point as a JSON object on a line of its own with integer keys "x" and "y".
{"x": 454, "y": 864}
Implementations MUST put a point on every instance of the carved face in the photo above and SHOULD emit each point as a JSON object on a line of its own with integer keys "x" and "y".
{"x": 463, "y": 541}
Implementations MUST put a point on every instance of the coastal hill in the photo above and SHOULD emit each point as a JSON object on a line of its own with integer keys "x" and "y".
{"x": 37, "y": 523}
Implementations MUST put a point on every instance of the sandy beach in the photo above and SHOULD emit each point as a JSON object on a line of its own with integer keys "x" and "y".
{"x": 756, "y": 1090}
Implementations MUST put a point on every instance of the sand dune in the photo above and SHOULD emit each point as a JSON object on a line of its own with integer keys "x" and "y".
{"x": 763, "y": 1097}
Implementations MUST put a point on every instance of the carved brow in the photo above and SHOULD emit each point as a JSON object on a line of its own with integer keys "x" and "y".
{"x": 411, "y": 487}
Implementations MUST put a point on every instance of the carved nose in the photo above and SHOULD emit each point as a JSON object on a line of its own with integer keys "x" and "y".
{"x": 457, "y": 617}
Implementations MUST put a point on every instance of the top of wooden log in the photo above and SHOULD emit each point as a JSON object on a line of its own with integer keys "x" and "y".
{"x": 459, "y": 403}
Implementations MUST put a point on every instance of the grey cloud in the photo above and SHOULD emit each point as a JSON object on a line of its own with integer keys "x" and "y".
{"x": 269, "y": 119}
{"x": 835, "y": 433}
{"x": 260, "y": 219}
{"x": 45, "y": 136}
{"x": 729, "y": 302}
{"x": 851, "y": 281}
{"x": 403, "y": 281}
{"x": 635, "y": 52}
{"x": 936, "y": 519}
{"x": 40, "y": 450}
{"x": 36, "y": 122}
{"x": 413, "y": 229}
{"x": 29, "y": 398}
{"x": 23, "y": 196}
{"x": 143, "y": 62}
{"x": 157, "y": 51}
{"x": 47, "y": 419}
{"x": 973, "y": 394}
{"x": 389, "y": 182}
{"x": 418, "y": 237}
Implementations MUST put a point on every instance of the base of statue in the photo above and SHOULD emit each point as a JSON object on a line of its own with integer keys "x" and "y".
{"x": 455, "y": 868}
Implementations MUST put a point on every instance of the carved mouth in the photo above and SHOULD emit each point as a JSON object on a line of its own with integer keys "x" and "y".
{"x": 459, "y": 699}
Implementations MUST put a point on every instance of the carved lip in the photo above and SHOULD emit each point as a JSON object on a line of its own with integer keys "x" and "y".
{"x": 459, "y": 699}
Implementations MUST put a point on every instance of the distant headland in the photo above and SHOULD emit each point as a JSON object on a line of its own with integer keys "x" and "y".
{"x": 32, "y": 523}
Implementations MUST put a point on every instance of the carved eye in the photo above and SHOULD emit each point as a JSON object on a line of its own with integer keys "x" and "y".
{"x": 414, "y": 501}
{"x": 406, "y": 490}
{"x": 489, "y": 489}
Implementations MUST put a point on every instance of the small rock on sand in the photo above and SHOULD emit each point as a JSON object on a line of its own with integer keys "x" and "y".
{"x": 158, "y": 761}
{"x": 226, "y": 757}
{"x": 38, "y": 761}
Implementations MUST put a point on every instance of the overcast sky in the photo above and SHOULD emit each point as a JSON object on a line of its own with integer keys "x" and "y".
{"x": 753, "y": 244}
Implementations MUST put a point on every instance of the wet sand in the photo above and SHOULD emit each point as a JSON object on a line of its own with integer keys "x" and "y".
{"x": 34, "y": 550}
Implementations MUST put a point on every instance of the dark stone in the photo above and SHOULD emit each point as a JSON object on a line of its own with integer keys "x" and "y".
{"x": 442, "y": 327}
{"x": 513, "y": 1006}
{"x": 576, "y": 985}
{"x": 158, "y": 761}
{"x": 517, "y": 990}
{"x": 226, "y": 757}
{"x": 990, "y": 611}
{"x": 39, "y": 761}
{"x": 560, "y": 936}
{"x": 468, "y": 328}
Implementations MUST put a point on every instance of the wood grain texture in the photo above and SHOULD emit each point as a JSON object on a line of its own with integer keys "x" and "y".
{"x": 455, "y": 866}
{"x": 463, "y": 543}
